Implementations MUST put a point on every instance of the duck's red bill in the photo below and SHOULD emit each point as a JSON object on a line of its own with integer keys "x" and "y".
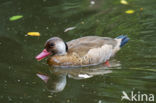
{"x": 42, "y": 55}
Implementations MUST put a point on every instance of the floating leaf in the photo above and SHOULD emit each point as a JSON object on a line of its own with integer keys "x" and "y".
{"x": 92, "y": 2}
{"x": 13, "y": 18}
{"x": 68, "y": 29}
{"x": 33, "y": 33}
{"x": 49, "y": 96}
{"x": 129, "y": 11}
{"x": 141, "y": 9}
{"x": 124, "y": 2}
{"x": 82, "y": 22}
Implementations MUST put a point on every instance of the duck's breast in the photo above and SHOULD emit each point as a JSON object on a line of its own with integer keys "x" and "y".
{"x": 65, "y": 60}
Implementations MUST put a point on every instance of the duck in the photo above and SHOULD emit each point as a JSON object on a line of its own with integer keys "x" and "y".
{"x": 80, "y": 52}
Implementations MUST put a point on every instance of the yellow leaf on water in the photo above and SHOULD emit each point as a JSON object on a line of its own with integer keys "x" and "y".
{"x": 124, "y": 2}
{"x": 33, "y": 33}
{"x": 141, "y": 9}
{"x": 129, "y": 11}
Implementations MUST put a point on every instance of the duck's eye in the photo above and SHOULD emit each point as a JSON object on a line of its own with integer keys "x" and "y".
{"x": 51, "y": 44}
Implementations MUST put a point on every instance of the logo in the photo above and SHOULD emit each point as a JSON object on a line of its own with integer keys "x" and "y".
{"x": 137, "y": 96}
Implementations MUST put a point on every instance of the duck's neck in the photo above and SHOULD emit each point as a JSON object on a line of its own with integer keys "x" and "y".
{"x": 62, "y": 48}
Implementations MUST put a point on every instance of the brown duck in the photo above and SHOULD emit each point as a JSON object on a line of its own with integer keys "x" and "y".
{"x": 84, "y": 51}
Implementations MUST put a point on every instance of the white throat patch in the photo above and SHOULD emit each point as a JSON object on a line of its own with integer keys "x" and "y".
{"x": 61, "y": 47}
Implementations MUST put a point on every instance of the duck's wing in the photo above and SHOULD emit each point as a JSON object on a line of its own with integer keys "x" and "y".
{"x": 93, "y": 47}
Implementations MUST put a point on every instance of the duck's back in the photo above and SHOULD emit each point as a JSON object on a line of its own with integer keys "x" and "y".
{"x": 83, "y": 45}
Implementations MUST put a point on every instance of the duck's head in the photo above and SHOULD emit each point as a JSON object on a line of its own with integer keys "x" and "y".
{"x": 53, "y": 46}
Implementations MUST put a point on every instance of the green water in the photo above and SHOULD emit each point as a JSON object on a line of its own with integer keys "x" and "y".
{"x": 18, "y": 68}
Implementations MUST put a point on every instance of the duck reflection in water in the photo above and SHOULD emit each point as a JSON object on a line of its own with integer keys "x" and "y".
{"x": 57, "y": 79}
{"x": 55, "y": 82}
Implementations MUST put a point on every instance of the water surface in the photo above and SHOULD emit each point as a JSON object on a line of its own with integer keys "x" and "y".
{"x": 18, "y": 67}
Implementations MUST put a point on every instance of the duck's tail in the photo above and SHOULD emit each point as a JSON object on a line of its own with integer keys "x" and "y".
{"x": 124, "y": 40}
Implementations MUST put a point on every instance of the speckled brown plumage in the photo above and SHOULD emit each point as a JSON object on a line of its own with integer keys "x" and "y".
{"x": 89, "y": 50}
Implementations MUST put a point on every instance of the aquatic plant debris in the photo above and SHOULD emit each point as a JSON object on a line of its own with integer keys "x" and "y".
{"x": 92, "y": 2}
{"x": 129, "y": 11}
{"x": 141, "y": 9}
{"x": 70, "y": 28}
{"x": 124, "y": 2}
{"x": 17, "y": 17}
{"x": 33, "y": 33}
